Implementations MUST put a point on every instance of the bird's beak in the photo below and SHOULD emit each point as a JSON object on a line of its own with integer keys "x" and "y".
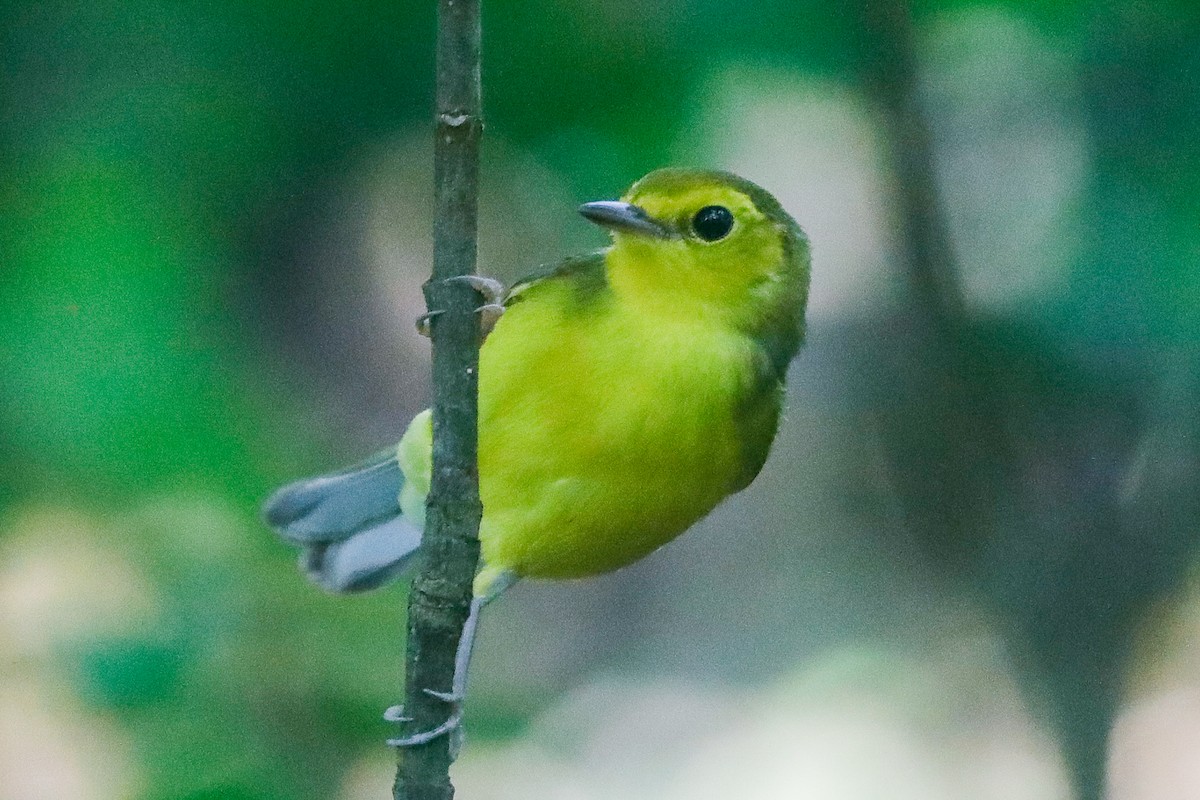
{"x": 623, "y": 218}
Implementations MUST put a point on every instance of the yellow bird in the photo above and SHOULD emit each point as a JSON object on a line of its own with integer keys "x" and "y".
{"x": 622, "y": 396}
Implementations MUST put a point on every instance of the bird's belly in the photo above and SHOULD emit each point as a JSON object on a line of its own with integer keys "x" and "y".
{"x": 596, "y": 519}
{"x": 585, "y": 470}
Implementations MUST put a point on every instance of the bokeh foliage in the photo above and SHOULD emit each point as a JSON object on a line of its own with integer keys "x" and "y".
{"x": 163, "y": 166}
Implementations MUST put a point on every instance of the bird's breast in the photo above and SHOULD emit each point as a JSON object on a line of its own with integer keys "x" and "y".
{"x": 602, "y": 438}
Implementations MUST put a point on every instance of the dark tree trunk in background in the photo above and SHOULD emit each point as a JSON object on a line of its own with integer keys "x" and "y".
{"x": 979, "y": 438}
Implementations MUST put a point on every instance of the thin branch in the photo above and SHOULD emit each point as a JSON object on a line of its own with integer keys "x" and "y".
{"x": 441, "y": 592}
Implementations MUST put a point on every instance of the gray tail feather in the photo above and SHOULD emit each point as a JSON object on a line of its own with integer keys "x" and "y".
{"x": 348, "y": 524}
{"x": 367, "y": 560}
{"x": 334, "y": 506}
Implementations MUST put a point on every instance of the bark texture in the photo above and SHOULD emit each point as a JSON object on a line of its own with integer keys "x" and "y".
{"x": 441, "y": 592}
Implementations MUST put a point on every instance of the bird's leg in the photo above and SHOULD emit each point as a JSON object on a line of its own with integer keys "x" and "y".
{"x": 492, "y": 292}
{"x": 458, "y": 685}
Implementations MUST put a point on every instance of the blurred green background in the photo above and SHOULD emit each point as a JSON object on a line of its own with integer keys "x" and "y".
{"x": 970, "y": 555}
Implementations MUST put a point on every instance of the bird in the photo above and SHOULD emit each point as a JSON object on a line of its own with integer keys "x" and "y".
{"x": 623, "y": 394}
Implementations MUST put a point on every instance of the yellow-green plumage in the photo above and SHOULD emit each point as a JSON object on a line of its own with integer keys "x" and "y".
{"x": 625, "y": 394}
{"x": 621, "y": 397}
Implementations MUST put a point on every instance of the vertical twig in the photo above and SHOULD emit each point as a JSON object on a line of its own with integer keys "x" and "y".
{"x": 441, "y": 592}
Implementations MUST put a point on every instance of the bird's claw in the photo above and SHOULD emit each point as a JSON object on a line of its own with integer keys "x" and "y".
{"x": 452, "y": 726}
{"x": 492, "y": 292}
{"x": 491, "y": 289}
{"x": 424, "y": 320}
{"x": 489, "y": 315}
{"x": 395, "y": 714}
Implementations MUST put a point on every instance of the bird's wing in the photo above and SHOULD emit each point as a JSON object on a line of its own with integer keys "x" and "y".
{"x": 360, "y": 526}
{"x": 758, "y": 417}
{"x": 586, "y": 273}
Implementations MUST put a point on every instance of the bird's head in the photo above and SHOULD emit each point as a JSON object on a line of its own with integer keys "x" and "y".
{"x": 705, "y": 243}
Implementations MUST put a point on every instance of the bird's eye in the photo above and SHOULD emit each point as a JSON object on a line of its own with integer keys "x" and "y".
{"x": 712, "y": 223}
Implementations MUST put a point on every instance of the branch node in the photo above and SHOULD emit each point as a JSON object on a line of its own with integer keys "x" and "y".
{"x": 454, "y": 119}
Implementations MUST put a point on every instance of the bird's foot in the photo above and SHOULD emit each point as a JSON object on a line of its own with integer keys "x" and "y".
{"x": 424, "y": 320}
{"x": 452, "y": 727}
{"x": 489, "y": 315}
{"x": 492, "y": 292}
{"x": 491, "y": 289}
{"x": 395, "y": 714}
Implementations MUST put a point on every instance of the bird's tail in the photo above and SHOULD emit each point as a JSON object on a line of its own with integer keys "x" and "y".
{"x": 349, "y": 524}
